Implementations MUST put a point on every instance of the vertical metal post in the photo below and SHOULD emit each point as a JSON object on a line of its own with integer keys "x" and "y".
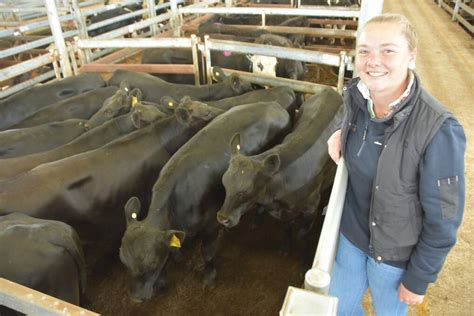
{"x": 174, "y": 17}
{"x": 207, "y": 53}
{"x": 194, "y": 50}
{"x": 456, "y": 10}
{"x": 152, "y": 14}
{"x": 342, "y": 69}
{"x": 368, "y": 11}
{"x": 228, "y": 3}
{"x": 58, "y": 37}
{"x": 81, "y": 29}
{"x": 263, "y": 19}
{"x": 72, "y": 55}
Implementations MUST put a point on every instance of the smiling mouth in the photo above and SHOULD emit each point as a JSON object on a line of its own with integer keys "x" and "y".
{"x": 376, "y": 74}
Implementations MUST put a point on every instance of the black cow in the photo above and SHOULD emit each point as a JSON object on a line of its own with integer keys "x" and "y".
{"x": 224, "y": 25}
{"x": 141, "y": 115}
{"x": 25, "y": 103}
{"x": 282, "y": 95}
{"x": 88, "y": 190}
{"x": 120, "y": 103}
{"x": 44, "y": 255}
{"x": 24, "y": 141}
{"x": 286, "y": 179}
{"x": 106, "y": 15}
{"x": 82, "y": 106}
{"x": 189, "y": 192}
{"x": 153, "y": 88}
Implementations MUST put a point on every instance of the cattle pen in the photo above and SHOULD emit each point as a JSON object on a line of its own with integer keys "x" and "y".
{"x": 253, "y": 278}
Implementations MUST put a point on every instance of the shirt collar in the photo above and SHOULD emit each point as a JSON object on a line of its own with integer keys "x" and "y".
{"x": 364, "y": 90}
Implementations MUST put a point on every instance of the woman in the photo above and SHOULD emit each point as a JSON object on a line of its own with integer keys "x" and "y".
{"x": 405, "y": 157}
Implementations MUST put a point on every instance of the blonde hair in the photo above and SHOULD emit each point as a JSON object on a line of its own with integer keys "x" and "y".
{"x": 405, "y": 26}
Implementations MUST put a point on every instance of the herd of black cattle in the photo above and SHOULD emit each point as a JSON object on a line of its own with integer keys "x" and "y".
{"x": 76, "y": 153}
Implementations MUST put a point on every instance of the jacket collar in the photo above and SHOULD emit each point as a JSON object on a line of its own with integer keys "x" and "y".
{"x": 353, "y": 97}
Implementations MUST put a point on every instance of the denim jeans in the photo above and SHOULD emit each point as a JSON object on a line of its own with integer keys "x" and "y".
{"x": 354, "y": 272}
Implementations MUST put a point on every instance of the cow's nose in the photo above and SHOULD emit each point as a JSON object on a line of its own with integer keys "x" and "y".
{"x": 223, "y": 220}
{"x": 134, "y": 299}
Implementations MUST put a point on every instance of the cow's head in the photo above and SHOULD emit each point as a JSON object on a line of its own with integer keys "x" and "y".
{"x": 188, "y": 111}
{"x": 237, "y": 84}
{"x": 245, "y": 183}
{"x": 143, "y": 113}
{"x": 144, "y": 251}
{"x": 120, "y": 103}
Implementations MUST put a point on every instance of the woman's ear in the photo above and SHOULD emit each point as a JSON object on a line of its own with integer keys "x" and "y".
{"x": 412, "y": 62}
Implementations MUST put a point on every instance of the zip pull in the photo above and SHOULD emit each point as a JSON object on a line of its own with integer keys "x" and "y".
{"x": 363, "y": 139}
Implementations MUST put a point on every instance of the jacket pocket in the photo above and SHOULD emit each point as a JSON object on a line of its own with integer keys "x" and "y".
{"x": 449, "y": 196}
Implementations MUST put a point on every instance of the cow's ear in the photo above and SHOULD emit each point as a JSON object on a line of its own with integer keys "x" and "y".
{"x": 182, "y": 115}
{"x": 174, "y": 238}
{"x": 235, "y": 81}
{"x": 218, "y": 74}
{"x": 125, "y": 86}
{"x": 235, "y": 144}
{"x": 185, "y": 99}
{"x": 137, "y": 119}
{"x": 136, "y": 94}
{"x": 271, "y": 164}
{"x": 168, "y": 104}
{"x": 132, "y": 209}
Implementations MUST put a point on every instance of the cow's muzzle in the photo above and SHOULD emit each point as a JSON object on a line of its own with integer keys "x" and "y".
{"x": 226, "y": 220}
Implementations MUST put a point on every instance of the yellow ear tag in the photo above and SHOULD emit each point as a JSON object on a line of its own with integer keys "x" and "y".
{"x": 134, "y": 101}
{"x": 174, "y": 242}
{"x": 170, "y": 104}
{"x": 134, "y": 215}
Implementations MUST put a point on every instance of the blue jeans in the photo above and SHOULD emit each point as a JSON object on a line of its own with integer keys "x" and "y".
{"x": 354, "y": 272}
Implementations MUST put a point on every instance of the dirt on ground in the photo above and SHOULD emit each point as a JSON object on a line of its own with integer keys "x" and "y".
{"x": 252, "y": 274}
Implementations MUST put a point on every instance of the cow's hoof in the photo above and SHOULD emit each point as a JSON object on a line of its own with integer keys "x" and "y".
{"x": 160, "y": 284}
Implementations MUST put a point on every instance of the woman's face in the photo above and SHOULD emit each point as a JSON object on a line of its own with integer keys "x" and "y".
{"x": 382, "y": 58}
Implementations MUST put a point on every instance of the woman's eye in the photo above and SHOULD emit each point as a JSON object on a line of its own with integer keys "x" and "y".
{"x": 388, "y": 51}
{"x": 362, "y": 52}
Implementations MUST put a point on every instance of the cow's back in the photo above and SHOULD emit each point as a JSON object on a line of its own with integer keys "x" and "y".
{"x": 43, "y": 255}
{"x": 24, "y": 141}
{"x": 81, "y": 106}
{"x": 194, "y": 172}
{"x": 23, "y": 104}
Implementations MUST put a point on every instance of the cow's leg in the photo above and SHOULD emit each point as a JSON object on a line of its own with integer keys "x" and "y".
{"x": 258, "y": 219}
{"x": 209, "y": 247}
{"x": 286, "y": 243}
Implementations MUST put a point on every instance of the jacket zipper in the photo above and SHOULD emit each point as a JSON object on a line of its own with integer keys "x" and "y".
{"x": 364, "y": 137}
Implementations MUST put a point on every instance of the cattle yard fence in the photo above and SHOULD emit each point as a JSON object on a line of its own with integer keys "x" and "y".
{"x": 318, "y": 277}
{"x": 462, "y": 11}
{"x": 25, "y": 19}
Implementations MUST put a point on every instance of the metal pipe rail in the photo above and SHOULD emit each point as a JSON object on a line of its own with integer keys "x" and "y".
{"x": 31, "y": 302}
{"x": 176, "y": 42}
{"x": 28, "y": 65}
{"x": 458, "y": 4}
{"x": 314, "y": 11}
{"x": 318, "y": 277}
{"x": 162, "y": 42}
{"x": 265, "y": 80}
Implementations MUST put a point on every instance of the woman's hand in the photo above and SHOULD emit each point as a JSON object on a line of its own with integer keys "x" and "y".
{"x": 408, "y": 297}
{"x": 334, "y": 146}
